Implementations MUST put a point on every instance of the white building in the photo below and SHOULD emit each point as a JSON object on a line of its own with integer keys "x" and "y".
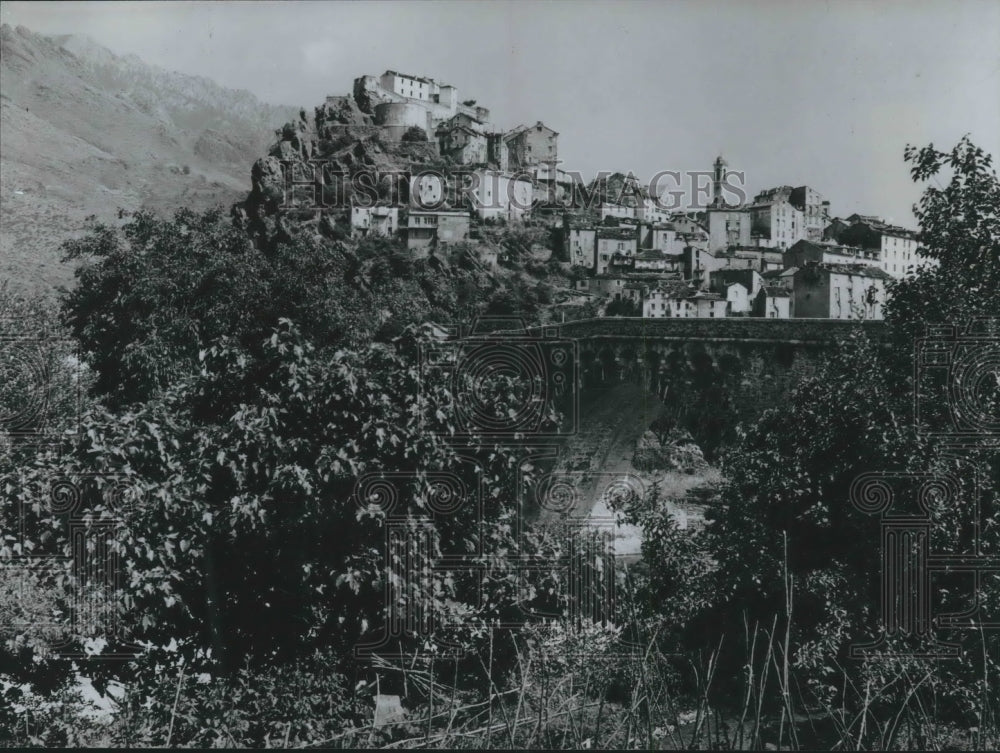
{"x": 582, "y": 246}
{"x": 896, "y": 246}
{"x": 774, "y": 221}
{"x": 662, "y": 303}
{"x": 737, "y": 299}
{"x": 382, "y": 221}
{"x": 498, "y": 195}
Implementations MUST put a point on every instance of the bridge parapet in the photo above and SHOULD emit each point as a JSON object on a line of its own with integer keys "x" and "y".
{"x": 731, "y": 329}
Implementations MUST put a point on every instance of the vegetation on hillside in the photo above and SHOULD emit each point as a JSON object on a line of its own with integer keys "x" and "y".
{"x": 270, "y": 465}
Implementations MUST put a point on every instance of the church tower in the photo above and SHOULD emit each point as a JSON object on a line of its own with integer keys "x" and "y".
{"x": 720, "y": 174}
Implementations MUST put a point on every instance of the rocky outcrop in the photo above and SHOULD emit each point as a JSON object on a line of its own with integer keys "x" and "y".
{"x": 677, "y": 452}
{"x": 267, "y": 182}
{"x": 338, "y": 112}
{"x": 368, "y": 93}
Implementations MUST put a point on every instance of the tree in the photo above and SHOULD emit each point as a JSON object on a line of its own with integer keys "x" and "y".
{"x": 413, "y": 134}
{"x": 153, "y": 293}
{"x": 263, "y": 487}
{"x": 623, "y": 307}
{"x": 785, "y": 514}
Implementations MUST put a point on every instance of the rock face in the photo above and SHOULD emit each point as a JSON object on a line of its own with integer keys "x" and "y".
{"x": 316, "y": 166}
{"x": 678, "y": 452}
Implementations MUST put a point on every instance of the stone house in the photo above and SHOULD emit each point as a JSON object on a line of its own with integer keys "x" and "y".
{"x": 838, "y": 291}
{"x": 804, "y": 252}
{"x": 497, "y": 195}
{"x": 425, "y": 230}
{"x": 614, "y": 240}
{"x": 531, "y": 145}
{"x": 377, "y": 220}
{"x": 772, "y": 302}
{"x": 896, "y": 246}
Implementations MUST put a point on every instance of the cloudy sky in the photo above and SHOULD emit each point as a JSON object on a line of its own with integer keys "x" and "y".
{"x": 821, "y": 93}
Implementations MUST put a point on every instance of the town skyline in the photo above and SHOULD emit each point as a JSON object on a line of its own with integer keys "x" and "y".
{"x": 647, "y": 60}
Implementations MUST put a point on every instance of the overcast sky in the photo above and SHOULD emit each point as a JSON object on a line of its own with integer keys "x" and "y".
{"x": 821, "y": 93}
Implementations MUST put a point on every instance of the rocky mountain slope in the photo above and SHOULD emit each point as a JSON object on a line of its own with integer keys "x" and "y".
{"x": 84, "y": 131}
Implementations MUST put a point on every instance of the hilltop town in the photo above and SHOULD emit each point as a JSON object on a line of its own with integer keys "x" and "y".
{"x": 440, "y": 171}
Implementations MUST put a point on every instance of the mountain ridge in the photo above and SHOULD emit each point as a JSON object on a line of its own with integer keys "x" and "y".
{"x": 85, "y": 131}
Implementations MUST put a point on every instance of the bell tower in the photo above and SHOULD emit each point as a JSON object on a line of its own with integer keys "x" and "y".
{"x": 720, "y": 174}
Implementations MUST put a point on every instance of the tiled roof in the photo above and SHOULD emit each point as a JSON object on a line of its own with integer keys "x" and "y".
{"x": 859, "y": 270}
{"x": 407, "y": 75}
{"x": 616, "y": 233}
{"x": 652, "y": 255}
{"x": 774, "y": 291}
{"x": 831, "y": 248}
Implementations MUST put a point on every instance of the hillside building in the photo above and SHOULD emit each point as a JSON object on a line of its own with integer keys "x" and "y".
{"x": 378, "y": 221}
{"x": 815, "y": 211}
{"x": 750, "y": 279}
{"x": 775, "y": 222}
{"x": 678, "y": 302}
{"x": 614, "y": 240}
{"x": 528, "y": 146}
{"x": 838, "y": 291}
{"x": 805, "y": 252}
{"x": 400, "y": 101}
{"x": 581, "y": 246}
{"x": 772, "y": 302}
{"x": 499, "y": 196}
{"x": 896, "y": 246}
{"x": 426, "y": 230}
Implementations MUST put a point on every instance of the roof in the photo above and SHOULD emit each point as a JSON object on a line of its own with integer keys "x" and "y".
{"x": 735, "y": 273}
{"x": 886, "y": 229}
{"x": 775, "y": 291}
{"x": 450, "y": 127}
{"x": 831, "y": 248}
{"x": 616, "y": 233}
{"x": 673, "y": 288}
{"x": 858, "y": 270}
{"x": 773, "y": 274}
{"x": 897, "y": 230}
{"x": 652, "y": 255}
{"x": 458, "y": 121}
{"x": 518, "y": 130}
{"x": 409, "y": 75}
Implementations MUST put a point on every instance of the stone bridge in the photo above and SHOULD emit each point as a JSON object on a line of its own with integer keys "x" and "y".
{"x": 711, "y": 373}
